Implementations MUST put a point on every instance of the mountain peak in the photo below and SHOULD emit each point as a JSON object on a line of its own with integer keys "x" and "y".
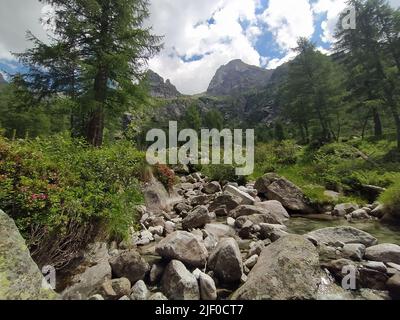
{"x": 238, "y": 76}
{"x": 160, "y": 88}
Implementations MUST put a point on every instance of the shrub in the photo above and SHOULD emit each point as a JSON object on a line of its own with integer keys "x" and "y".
{"x": 62, "y": 192}
{"x": 165, "y": 175}
{"x": 391, "y": 199}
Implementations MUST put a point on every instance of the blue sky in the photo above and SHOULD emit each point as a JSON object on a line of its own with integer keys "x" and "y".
{"x": 202, "y": 35}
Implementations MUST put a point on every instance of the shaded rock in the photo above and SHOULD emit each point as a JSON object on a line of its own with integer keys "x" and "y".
{"x": 89, "y": 282}
{"x": 360, "y": 214}
{"x": 272, "y": 231}
{"x": 158, "y": 296}
{"x": 384, "y": 252}
{"x": 156, "y": 273}
{"x": 251, "y": 262}
{"x": 354, "y": 251}
{"x": 220, "y": 230}
{"x": 226, "y": 261}
{"x": 393, "y": 285}
{"x": 212, "y": 187}
{"x": 197, "y": 218}
{"x": 129, "y": 264}
{"x": 20, "y": 277}
{"x": 116, "y": 288}
{"x": 96, "y": 253}
{"x": 156, "y": 196}
{"x": 286, "y": 270}
{"x": 373, "y": 279}
{"x": 185, "y": 247}
{"x": 289, "y": 195}
{"x": 337, "y": 267}
{"x": 221, "y": 211}
{"x": 139, "y": 291}
{"x": 229, "y": 201}
{"x": 255, "y": 219}
{"x": 244, "y": 197}
{"x": 208, "y": 290}
{"x": 178, "y": 283}
{"x": 378, "y": 266}
{"x": 182, "y": 207}
{"x": 344, "y": 234}
{"x": 343, "y": 209}
{"x": 378, "y": 212}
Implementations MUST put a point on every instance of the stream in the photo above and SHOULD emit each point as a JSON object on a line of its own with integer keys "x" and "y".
{"x": 305, "y": 224}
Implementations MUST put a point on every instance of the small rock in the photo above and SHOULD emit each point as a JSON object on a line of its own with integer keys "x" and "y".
{"x": 354, "y": 251}
{"x": 159, "y": 230}
{"x": 139, "y": 291}
{"x": 245, "y": 198}
{"x": 384, "y": 252}
{"x": 221, "y": 212}
{"x": 156, "y": 273}
{"x": 197, "y": 218}
{"x": 208, "y": 290}
{"x": 129, "y": 264}
{"x": 230, "y": 222}
{"x": 378, "y": 266}
{"x": 251, "y": 262}
{"x": 343, "y": 209}
{"x": 158, "y": 297}
{"x": 98, "y": 297}
{"x": 212, "y": 187}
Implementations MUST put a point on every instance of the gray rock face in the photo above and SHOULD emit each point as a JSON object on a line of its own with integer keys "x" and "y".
{"x": 197, "y": 218}
{"x": 286, "y": 270}
{"x": 384, "y": 253}
{"x": 178, "y": 283}
{"x": 238, "y": 77}
{"x": 354, "y": 252}
{"x": 290, "y": 196}
{"x": 20, "y": 277}
{"x": 185, "y": 247}
{"x": 129, "y": 264}
{"x": 159, "y": 88}
{"x": 345, "y": 235}
{"x": 226, "y": 261}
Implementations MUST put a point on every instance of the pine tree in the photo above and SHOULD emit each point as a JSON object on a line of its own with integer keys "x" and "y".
{"x": 98, "y": 53}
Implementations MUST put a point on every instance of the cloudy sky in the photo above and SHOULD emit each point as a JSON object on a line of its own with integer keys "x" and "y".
{"x": 201, "y": 35}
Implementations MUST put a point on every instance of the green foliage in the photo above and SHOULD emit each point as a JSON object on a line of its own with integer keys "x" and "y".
{"x": 214, "y": 120}
{"x": 57, "y": 187}
{"x": 391, "y": 198}
{"x": 222, "y": 173}
{"x": 192, "y": 118}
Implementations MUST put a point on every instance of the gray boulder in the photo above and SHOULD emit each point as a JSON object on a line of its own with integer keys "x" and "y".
{"x": 276, "y": 209}
{"x": 178, "y": 283}
{"x": 185, "y": 247}
{"x": 344, "y": 208}
{"x": 286, "y": 270}
{"x": 244, "y": 197}
{"x": 344, "y": 235}
{"x": 129, "y": 264}
{"x": 354, "y": 251}
{"x": 208, "y": 290}
{"x": 289, "y": 195}
{"x": 384, "y": 252}
{"x": 228, "y": 201}
{"x": 226, "y": 261}
{"x": 197, "y": 218}
{"x": 212, "y": 187}
{"x": 139, "y": 291}
{"x": 20, "y": 277}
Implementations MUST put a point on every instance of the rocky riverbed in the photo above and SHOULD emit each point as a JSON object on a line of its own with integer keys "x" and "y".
{"x": 205, "y": 241}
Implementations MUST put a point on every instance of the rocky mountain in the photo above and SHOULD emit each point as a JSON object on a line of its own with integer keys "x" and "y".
{"x": 237, "y": 77}
{"x": 160, "y": 88}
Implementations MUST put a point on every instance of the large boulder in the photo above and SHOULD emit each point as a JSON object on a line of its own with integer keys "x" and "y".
{"x": 344, "y": 235}
{"x": 89, "y": 282}
{"x": 276, "y": 209}
{"x": 219, "y": 230}
{"x": 178, "y": 283}
{"x": 197, "y": 218}
{"x": 227, "y": 201}
{"x": 286, "y": 270}
{"x": 244, "y": 197}
{"x": 212, "y": 187}
{"x": 246, "y": 210}
{"x": 384, "y": 252}
{"x": 129, "y": 264}
{"x": 274, "y": 187}
{"x": 226, "y": 261}
{"x": 20, "y": 277}
{"x": 185, "y": 247}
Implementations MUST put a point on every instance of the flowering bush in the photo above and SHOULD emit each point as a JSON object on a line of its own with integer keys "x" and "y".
{"x": 165, "y": 175}
{"x": 62, "y": 192}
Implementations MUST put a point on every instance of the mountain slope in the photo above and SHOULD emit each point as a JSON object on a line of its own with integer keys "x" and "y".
{"x": 159, "y": 88}
{"x": 237, "y": 77}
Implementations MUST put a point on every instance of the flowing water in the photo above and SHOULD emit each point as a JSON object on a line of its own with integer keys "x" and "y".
{"x": 304, "y": 224}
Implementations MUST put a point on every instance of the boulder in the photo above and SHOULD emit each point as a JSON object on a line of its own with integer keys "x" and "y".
{"x": 88, "y": 283}
{"x": 286, "y": 270}
{"x": 178, "y": 283}
{"x": 156, "y": 273}
{"x": 343, "y": 209}
{"x": 197, "y": 218}
{"x": 226, "y": 261}
{"x": 156, "y": 196}
{"x": 247, "y": 210}
{"x": 255, "y": 219}
{"x": 185, "y": 247}
{"x": 373, "y": 279}
{"x": 344, "y": 235}
{"x": 354, "y": 251}
{"x": 360, "y": 214}
{"x": 229, "y": 201}
{"x": 208, "y": 290}
{"x": 20, "y": 277}
{"x": 139, "y": 291}
{"x": 393, "y": 285}
{"x": 212, "y": 187}
{"x": 116, "y": 288}
{"x": 244, "y": 197}
{"x": 129, "y": 264}
{"x": 289, "y": 195}
{"x": 219, "y": 230}
{"x": 158, "y": 296}
{"x": 272, "y": 231}
{"x": 276, "y": 209}
{"x": 378, "y": 212}
{"x": 384, "y": 253}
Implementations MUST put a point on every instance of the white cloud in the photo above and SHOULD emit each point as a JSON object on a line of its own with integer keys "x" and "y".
{"x": 288, "y": 20}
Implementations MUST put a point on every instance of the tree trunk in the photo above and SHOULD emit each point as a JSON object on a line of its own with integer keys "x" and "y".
{"x": 377, "y": 124}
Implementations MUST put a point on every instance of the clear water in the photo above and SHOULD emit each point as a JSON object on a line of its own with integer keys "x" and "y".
{"x": 304, "y": 224}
